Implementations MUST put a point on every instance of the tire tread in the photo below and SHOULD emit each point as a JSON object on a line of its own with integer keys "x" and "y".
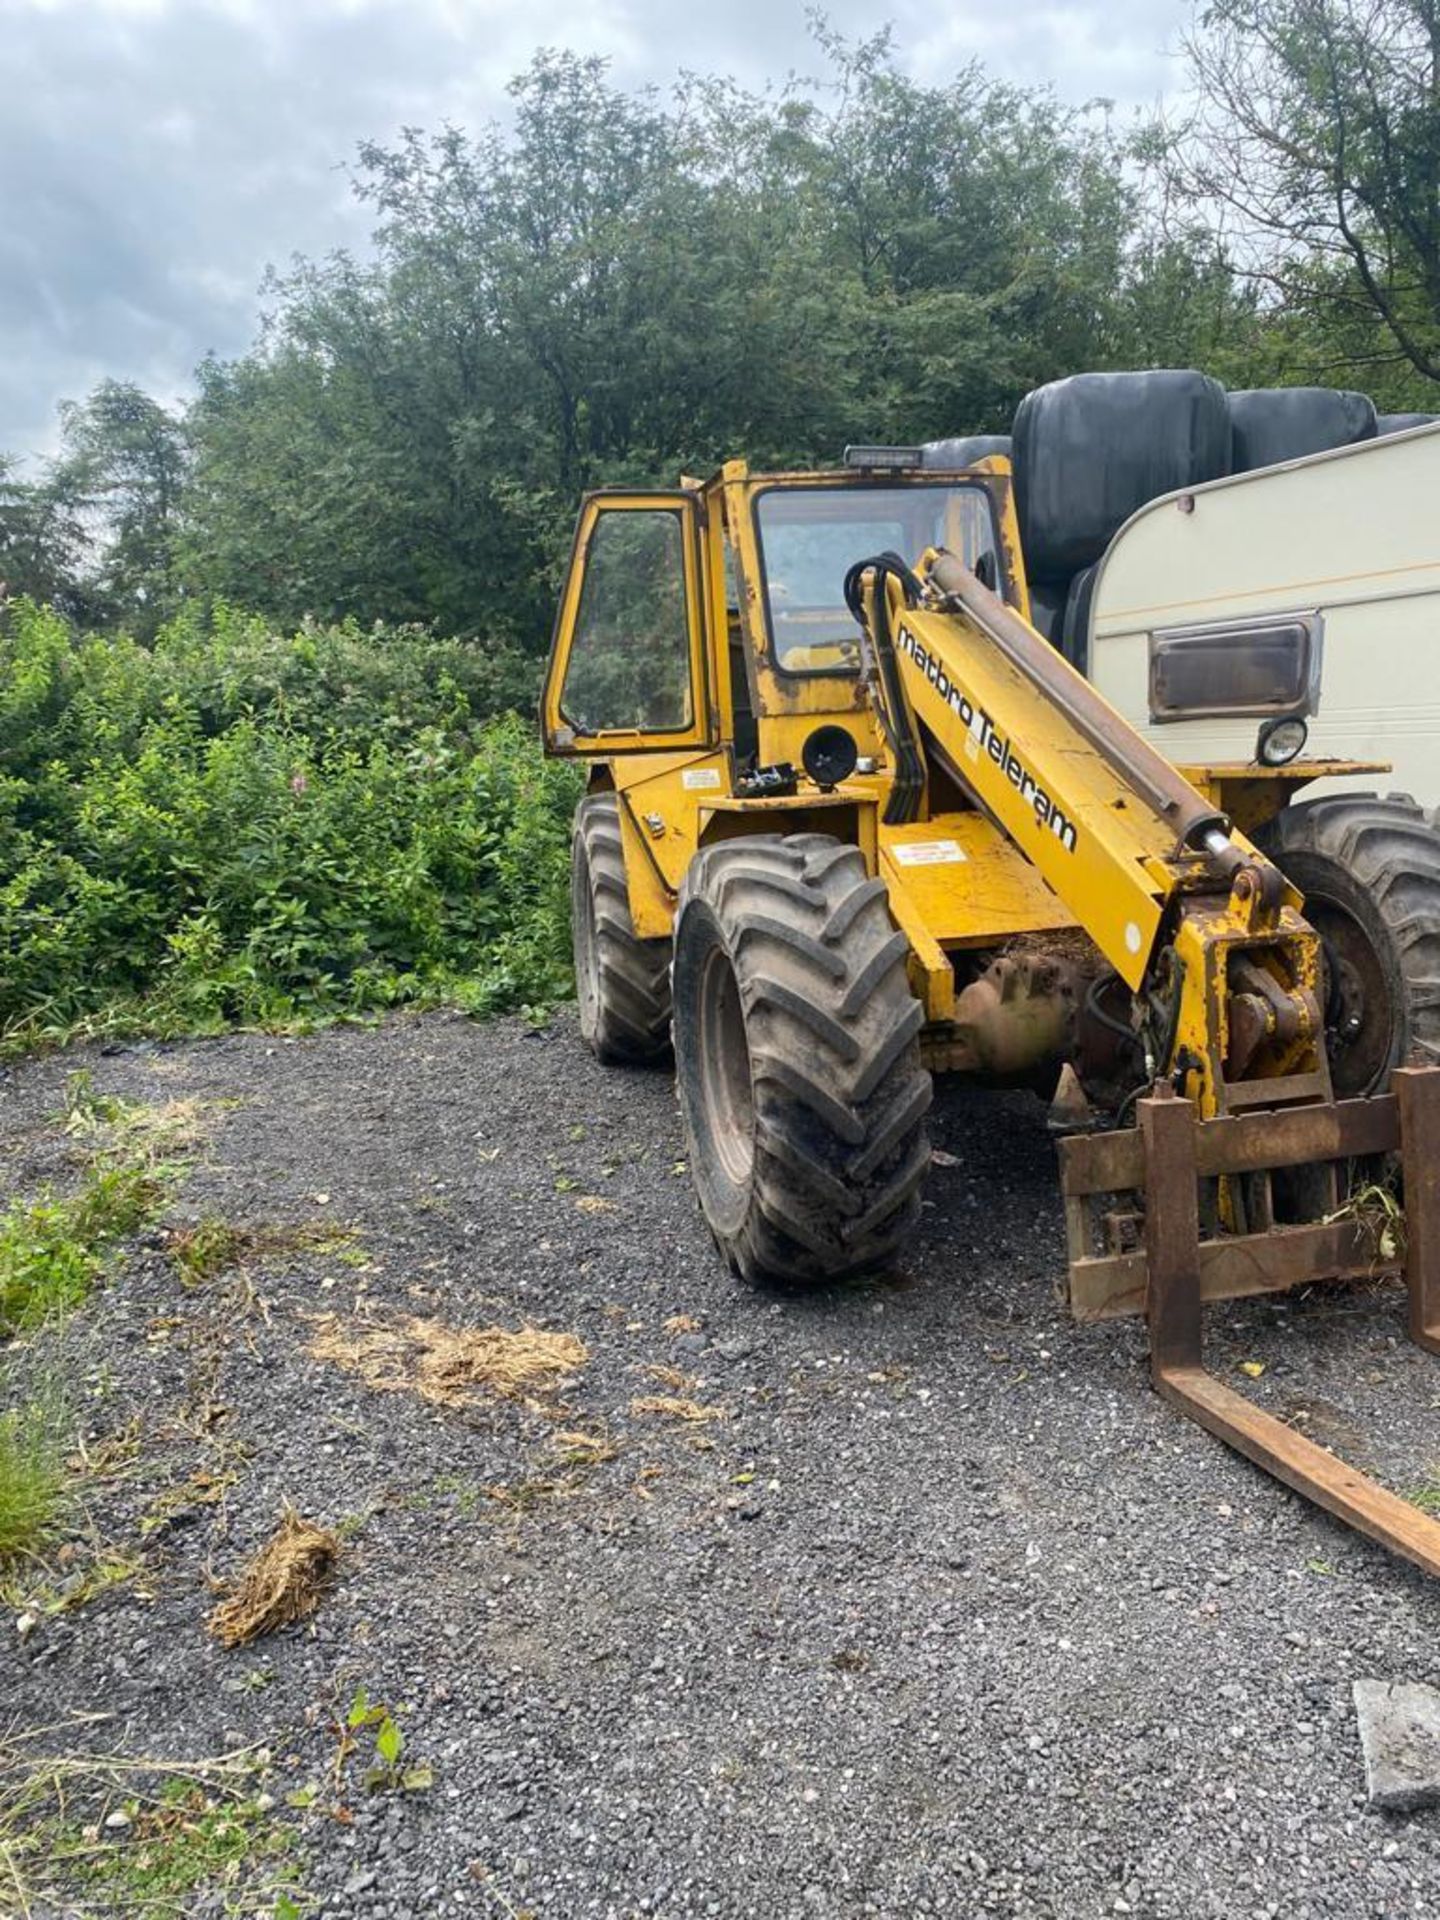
{"x": 840, "y": 1093}
{"x": 1390, "y": 847}
{"x": 632, "y": 1019}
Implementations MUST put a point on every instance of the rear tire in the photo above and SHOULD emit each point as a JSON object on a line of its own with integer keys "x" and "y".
{"x": 1369, "y": 869}
{"x": 797, "y": 1059}
{"x": 621, "y": 981}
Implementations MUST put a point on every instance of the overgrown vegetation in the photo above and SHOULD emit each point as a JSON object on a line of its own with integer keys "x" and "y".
{"x": 234, "y": 825}
{"x": 182, "y": 1845}
{"x": 384, "y": 1773}
{"x": 53, "y": 1250}
{"x": 214, "y": 1246}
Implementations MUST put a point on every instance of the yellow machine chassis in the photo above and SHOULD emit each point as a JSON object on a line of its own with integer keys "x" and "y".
{"x": 977, "y": 875}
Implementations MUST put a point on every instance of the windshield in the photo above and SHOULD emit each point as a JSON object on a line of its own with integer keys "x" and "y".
{"x": 810, "y": 537}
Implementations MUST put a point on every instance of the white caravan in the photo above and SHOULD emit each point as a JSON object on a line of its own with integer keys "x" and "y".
{"x": 1305, "y": 592}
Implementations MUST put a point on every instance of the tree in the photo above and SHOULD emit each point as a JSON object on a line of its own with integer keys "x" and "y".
{"x": 43, "y": 544}
{"x": 123, "y": 470}
{"x": 620, "y": 288}
{"x": 1316, "y": 138}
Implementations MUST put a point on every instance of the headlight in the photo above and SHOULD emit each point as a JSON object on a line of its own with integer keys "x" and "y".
{"x": 829, "y": 756}
{"x": 1281, "y": 740}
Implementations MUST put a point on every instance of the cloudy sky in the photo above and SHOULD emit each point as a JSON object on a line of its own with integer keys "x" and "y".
{"x": 155, "y": 155}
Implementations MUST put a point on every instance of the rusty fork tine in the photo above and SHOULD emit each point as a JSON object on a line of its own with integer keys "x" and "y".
{"x": 1168, "y": 1132}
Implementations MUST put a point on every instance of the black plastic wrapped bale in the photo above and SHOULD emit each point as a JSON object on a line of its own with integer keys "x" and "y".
{"x": 1073, "y": 636}
{"x": 952, "y": 456}
{"x": 1091, "y": 450}
{"x": 1047, "y": 608}
{"x": 1271, "y": 424}
{"x": 1401, "y": 422}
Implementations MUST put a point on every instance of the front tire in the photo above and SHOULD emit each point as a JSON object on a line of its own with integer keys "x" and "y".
{"x": 1369, "y": 869}
{"x": 797, "y": 1059}
{"x": 621, "y": 981}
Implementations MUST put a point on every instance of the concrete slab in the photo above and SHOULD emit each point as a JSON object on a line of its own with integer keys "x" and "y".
{"x": 1400, "y": 1736}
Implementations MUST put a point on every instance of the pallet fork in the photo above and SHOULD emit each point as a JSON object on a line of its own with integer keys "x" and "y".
{"x": 1176, "y": 1270}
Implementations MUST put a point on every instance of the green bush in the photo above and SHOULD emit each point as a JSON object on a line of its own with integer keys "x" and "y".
{"x": 232, "y": 825}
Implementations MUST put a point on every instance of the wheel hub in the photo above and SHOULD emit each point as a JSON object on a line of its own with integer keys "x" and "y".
{"x": 1359, "y": 1022}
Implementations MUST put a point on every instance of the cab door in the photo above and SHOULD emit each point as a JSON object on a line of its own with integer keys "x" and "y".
{"x": 627, "y": 669}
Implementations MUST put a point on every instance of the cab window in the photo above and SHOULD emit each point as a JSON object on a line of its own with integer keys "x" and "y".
{"x": 629, "y": 666}
{"x": 810, "y": 537}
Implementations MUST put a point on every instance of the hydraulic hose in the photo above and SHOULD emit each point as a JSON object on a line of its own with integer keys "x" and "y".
{"x": 872, "y": 613}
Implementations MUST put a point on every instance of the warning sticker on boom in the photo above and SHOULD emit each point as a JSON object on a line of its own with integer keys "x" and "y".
{"x": 926, "y": 853}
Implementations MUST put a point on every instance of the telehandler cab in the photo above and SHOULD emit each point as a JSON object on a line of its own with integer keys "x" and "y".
{"x": 851, "y": 821}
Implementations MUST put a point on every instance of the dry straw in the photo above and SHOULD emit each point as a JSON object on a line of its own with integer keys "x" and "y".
{"x": 285, "y": 1581}
{"x": 672, "y": 1407}
{"x": 448, "y": 1365}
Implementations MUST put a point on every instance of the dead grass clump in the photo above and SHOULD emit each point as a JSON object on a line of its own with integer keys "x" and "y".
{"x": 174, "y": 1126}
{"x": 1378, "y": 1214}
{"x": 850, "y": 1660}
{"x": 671, "y": 1377}
{"x": 580, "y": 1449}
{"x": 674, "y": 1408}
{"x": 209, "y": 1248}
{"x": 286, "y": 1580}
{"x": 449, "y": 1365}
{"x": 529, "y": 1496}
{"x": 171, "y": 1126}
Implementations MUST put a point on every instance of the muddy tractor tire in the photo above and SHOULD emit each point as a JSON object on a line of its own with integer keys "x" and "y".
{"x": 621, "y": 981}
{"x": 1369, "y": 869}
{"x": 797, "y": 1059}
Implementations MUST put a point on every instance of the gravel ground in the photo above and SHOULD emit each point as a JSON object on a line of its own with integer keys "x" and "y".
{"x": 947, "y": 1616}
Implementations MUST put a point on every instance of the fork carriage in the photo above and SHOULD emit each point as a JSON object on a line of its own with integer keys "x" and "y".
{"x": 1167, "y": 1266}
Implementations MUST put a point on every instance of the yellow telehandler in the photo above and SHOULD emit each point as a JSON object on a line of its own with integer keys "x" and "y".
{"x": 851, "y": 821}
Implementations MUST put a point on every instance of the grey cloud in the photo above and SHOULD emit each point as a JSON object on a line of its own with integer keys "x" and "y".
{"x": 154, "y": 158}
